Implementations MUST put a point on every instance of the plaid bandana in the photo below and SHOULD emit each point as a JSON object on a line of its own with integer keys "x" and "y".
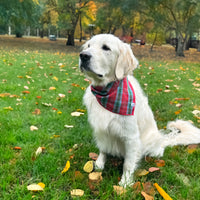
{"x": 117, "y": 97}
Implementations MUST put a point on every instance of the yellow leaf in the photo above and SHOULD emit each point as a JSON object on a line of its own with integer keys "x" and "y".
{"x": 55, "y": 78}
{"x": 162, "y": 192}
{"x": 8, "y": 108}
{"x": 52, "y": 88}
{"x": 66, "y": 168}
{"x": 41, "y": 185}
{"x": 141, "y": 172}
{"x": 89, "y": 166}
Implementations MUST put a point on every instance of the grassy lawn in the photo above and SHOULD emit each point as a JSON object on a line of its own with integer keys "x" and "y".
{"x": 42, "y": 88}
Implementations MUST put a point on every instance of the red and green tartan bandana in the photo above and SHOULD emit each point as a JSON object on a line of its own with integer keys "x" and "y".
{"x": 117, "y": 97}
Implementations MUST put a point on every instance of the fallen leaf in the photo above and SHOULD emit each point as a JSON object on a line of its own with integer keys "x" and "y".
{"x": 148, "y": 188}
{"x": 178, "y": 105}
{"x": 55, "y": 78}
{"x": 47, "y": 104}
{"x": 77, "y": 193}
{"x": 17, "y": 148}
{"x": 181, "y": 99}
{"x": 38, "y": 151}
{"x": 196, "y": 84}
{"x": 160, "y": 163}
{"x": 26, "y": 87}
{"x": 66, "y": 168}
{"x": 153, "y": 169}
{"x": 184, "y": 179}
{"x": 68, "y": 126}
{"x": 192, "y": 148}
{"x": 162, "y": 192}
{"x": 78, "y": 175}
{"x": 166, "y": 91}
{"x": 146, "y": 196}
{"x": 76, "y": 114}
{"x": 41, "y": 185}
{"x": 39, "y": 97}
{"x": 159, "y": 90}
{"x": 33, "y": 128}
{"x": 137, "y": 187}
{"x": 119, "y": 189}
{"x": 61, "y": 95}
{"x": 59, "y": 112}
{"x": 52, "y": 88}
{"x": 8, "y": 108}
{"x": 178, "y": 112}
{"x": 36, "y": 112}
{"x": 26, "y": 92}
{"x": 35, "y": 187}
{"x": 4, "y": 94}
{"x": 89, "y": 166}
{"x": 93, "y": 156}
{"x": 141, "y": 172}
{"x": 75, "y": 85}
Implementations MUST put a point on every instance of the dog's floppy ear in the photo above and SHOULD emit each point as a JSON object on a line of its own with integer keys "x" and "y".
{"x": 126, "y": 62}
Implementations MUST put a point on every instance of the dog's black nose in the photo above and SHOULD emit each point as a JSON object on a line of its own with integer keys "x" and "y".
{"x": 85, "y": 56}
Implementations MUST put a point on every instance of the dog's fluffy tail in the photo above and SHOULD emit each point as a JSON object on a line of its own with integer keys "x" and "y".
{"x": 182, "y": 133}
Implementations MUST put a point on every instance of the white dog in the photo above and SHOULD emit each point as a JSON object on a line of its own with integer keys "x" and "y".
{"x": 118, "y": 111}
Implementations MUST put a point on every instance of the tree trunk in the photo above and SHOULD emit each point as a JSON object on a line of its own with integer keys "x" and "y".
{"x": 180, "y": 48}
{"x": 199, "y": 46}
{"x": 81, "y": 29}
{"x": 70, "y": 40}
{"x": 154, "y": 41}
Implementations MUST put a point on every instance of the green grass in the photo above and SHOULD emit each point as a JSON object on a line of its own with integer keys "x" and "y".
{"x": 37, "y": 70}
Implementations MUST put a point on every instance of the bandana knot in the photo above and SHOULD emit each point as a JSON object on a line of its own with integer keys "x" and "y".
{"x": 117, "y": 97}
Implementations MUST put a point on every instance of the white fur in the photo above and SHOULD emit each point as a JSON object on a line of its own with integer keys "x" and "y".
{"x": 130, "y": 137}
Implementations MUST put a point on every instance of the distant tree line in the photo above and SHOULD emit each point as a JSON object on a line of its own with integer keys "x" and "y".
{"x": 151, "y": 20}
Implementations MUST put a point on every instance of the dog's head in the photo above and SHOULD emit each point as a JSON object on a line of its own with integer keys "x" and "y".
{"x": 105, "y": 58}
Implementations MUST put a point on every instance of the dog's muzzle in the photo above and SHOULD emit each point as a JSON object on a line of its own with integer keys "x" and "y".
{"x": 85, "y": 58}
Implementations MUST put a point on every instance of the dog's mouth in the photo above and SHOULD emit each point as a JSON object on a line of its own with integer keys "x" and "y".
{"x": 90, "y": 72}
{"x": 85, "y": 59}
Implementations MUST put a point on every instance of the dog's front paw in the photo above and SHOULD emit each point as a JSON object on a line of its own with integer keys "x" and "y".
{"x": 99, "y": 165}
{"x": 126, "y": 180}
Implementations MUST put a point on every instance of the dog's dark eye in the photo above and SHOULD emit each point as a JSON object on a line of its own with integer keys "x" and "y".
{"x": 88, "y": 45}
{"x": 105, "y": 47}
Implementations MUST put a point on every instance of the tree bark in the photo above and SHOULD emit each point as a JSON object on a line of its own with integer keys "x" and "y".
{"x": 154, "y": 41}
{"x": 70, "y": 39}
{"x": 180, "y": 48}
{"x": 199, "y": 46}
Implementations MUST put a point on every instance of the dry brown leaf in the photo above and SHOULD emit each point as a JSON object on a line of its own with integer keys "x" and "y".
{"x": 148, "y": 188}
{"x": 93, "y": 156}
{"x": 146, "y": 196}
{"x": 36, "y": 112}
{"x": 160, "y": 163}
{"x": 119, "y": 189}
{"x": 137, "y": 187}
{"x": 77, "y": 193}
